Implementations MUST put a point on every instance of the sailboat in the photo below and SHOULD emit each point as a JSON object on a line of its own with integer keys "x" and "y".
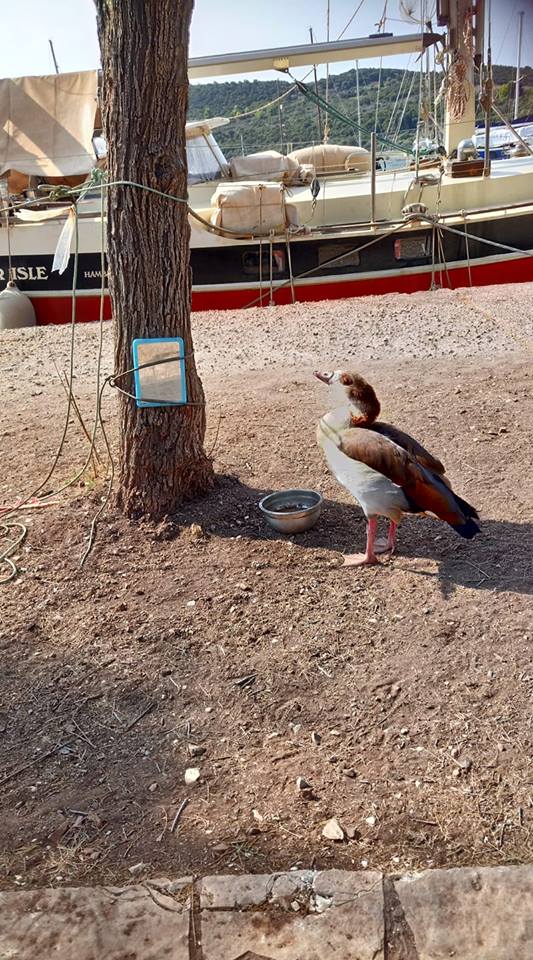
{"x": 270, "y": 228}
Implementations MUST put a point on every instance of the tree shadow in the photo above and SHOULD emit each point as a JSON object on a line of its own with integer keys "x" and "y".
{"x": 498, "y": 559}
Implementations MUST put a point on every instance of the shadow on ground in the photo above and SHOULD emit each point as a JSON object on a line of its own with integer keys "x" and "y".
{"x": 498, "y": 559}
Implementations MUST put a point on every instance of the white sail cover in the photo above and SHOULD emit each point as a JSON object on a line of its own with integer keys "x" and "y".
{"x": 47, "y": 124}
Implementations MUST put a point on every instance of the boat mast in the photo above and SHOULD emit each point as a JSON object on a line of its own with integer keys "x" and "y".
{"x": 463, "y": 23}
{"x": 56, "y": 65}
{"x": 318, "y": 114}
{"x": 518, "y": 57}
{"x": 358, "y": 102}
{"x": 486, "y": 95}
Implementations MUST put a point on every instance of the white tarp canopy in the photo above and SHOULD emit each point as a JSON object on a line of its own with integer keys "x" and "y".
{"x": 47, "y": 124}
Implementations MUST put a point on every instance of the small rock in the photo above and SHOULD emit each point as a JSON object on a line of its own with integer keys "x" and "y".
{"x": 302, "y": 784}
{"x": 332, "y": 830}
{"x": 195, "y": 531}
{"x": 371, "y": 821}
{"x": 352, "y": 833}
{"x": 304, "y": 789}
{"x": 192, "y": 775}
{"x": 257, "y": 816}
{"x": 137, "y": 868}
{"x": 316, "y": 738}
{"x": 196, "y": 750}
{"x": 153, "y": 787}
{"x": 352, "y": 774}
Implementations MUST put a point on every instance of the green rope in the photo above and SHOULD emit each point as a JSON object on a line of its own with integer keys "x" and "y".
{"x": 319, "y": 101}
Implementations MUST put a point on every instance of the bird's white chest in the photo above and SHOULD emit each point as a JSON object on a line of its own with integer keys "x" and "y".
{"x": 377, "y": 495}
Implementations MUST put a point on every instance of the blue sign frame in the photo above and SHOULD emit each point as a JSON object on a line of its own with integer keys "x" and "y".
{"x": 180, "y": 357}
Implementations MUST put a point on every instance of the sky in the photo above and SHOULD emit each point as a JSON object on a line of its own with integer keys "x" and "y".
{"x": 225, "y": 27}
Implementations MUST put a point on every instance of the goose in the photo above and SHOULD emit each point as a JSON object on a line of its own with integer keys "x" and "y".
{"x": 388, "y": 472}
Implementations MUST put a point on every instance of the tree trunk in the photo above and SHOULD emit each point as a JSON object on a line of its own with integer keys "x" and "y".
{"x": 144, "y": 47}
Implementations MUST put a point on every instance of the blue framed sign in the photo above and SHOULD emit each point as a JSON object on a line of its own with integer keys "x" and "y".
{"x": 159, "y": 372}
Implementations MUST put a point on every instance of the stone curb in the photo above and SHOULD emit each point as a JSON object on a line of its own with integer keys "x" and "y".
{"x": 465, "y": 914}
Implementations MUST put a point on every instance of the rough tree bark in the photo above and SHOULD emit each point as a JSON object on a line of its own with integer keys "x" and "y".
{"x": 144, "y": 47}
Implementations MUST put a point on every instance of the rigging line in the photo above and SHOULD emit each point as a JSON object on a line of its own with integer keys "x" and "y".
{"x": 98, "y": 418}
{"x": 417, "y": 141}
{"x": 271, "y": 103}
{"x": 398, "y": 95}
{"x": 473, "y": 237}
{"x": 378, "y": 92}
{"x": 510, "y": 19}
{"x": 4, "y": 193}
{"x": 434, "y": 98}
{"x": 107, "y": 495}
{"x": 326, "y": 119}
{"x": 381, "y": 28}
{"x": 71, "y": 376}
{"x": 467, "y": 251}
{"x": 407, "y": 99}
{"x": 358, "y": 102}
{"x": 264, "y": 106}
{"x": 350, "y": 21}
{"x": 343, "y": 118}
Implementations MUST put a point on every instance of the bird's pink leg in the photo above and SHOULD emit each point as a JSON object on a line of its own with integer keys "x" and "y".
{"x": 361, "y": 559}
{"x": 388, "y": 545}
{"x": 391, "y": 539}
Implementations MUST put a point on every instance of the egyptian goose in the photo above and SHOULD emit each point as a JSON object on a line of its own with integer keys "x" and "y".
{"x": 387, "y": 471}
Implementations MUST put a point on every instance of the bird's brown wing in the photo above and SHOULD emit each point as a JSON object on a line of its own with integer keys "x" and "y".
{"x": 409, "y": 444}
{"x": 425, "y": 491}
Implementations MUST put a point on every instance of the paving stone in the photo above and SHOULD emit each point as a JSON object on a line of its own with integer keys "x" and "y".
{"x": 228, "y": 892}
{"x": 293, "y": 916}
{"x": 465, "y": 914}
{"x": 144, "y": 922}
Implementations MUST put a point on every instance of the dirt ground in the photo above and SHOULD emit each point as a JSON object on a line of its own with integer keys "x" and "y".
{"x": 403, "y": 693}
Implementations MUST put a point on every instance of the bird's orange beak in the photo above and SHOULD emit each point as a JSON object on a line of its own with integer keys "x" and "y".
{"x": 323, "y": 377}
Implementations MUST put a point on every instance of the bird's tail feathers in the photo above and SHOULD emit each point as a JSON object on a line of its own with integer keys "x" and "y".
{"x": 467, "y": 530}
{"x": 466, "y": 508}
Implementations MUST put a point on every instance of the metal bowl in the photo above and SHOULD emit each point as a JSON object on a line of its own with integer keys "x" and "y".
{"x": 292, "y": 511}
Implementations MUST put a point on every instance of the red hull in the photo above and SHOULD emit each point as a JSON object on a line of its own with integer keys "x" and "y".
{"x": 57, "y": 308}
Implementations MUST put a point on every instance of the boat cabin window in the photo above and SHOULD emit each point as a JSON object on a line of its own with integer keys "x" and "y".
{"x": 337, "y": 257}
{"x": 205, "y": 159}
{"x": 411, "y": 248}
{"x": 250, "y": 264}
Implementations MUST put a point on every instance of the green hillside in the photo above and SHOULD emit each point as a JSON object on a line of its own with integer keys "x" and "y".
{"x": 296, "y": 123}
